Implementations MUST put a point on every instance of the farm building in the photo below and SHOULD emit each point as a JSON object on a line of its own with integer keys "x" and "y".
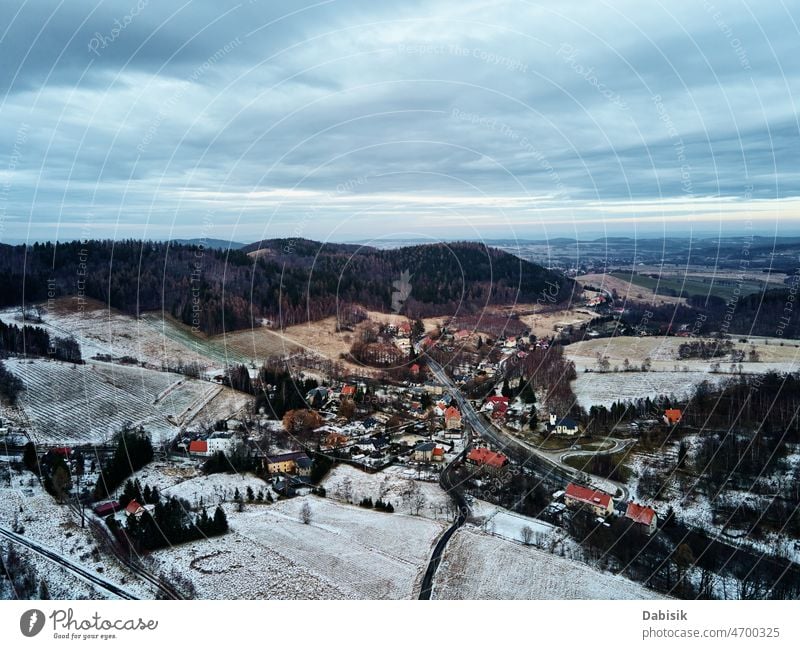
{"x": 198, "y": 447}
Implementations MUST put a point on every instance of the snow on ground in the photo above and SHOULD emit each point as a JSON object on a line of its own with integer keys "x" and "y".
{"x": 46, "y": 522}
{"x": 66, "y": 403}
{"x": 99, "y": 329}
{"x": 345, "y": 552}
{"x": 216, "y": 488}
{"x": 594, "y": 388}
{"x": 479, "y": 566}
{"x": 390, "y": 484}
{"x": 165, "y": 474}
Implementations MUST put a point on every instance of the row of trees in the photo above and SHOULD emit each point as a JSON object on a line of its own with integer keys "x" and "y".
{"x": 35, "y": 341}
{"x": 170, "y": 523}
{"x": 133, "y": 451}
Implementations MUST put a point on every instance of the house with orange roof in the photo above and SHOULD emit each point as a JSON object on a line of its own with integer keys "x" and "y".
{"x": 597, "y": 501}
{"x": 672, "y": 416}
{"x": 452, "y": 418}
{"x": 642, "y": 515}
{"x": 487, "y": 460}
{"x": 133, "y": 508}
{"x": 348, "y": 390}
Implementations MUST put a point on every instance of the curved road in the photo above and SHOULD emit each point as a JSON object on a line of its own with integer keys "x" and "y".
{"x": 454, "y": 491}
{"x": 551, "y": 468}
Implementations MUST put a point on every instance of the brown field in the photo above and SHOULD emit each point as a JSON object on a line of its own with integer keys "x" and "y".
{"x": 627, "y": 291}
{"x": 318, "y": 337}
{"x": 544, "y": 324}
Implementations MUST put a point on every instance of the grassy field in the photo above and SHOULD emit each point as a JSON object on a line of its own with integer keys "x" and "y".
{"x": 697, "y": 285}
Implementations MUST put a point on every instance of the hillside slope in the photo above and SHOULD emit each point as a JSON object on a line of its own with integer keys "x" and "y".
{"x": 286, "y": 281}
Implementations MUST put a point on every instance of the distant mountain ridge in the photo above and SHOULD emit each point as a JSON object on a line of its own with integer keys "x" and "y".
{"x": 285, "y": 281}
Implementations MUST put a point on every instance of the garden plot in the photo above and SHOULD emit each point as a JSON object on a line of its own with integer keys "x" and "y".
{"x": 344, "y": 552}
{"x": 390, "y": 485}
{"x": 519, "y": 572}
{"x": 67, "y": 403}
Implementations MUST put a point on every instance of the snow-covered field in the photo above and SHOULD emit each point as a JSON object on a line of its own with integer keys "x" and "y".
{"x": 390, "y": 485}
{"x": 25, "y": 503}
{"x": 593, "y": 388}
{"x": 80, "y": 403}
{"x": 344, "y": 552}
{"x": 99, "y": 329}
{"x": 477, "y": 565}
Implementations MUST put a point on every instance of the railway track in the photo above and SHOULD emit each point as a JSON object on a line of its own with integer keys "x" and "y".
{"x": 104, "y": 537}
{"x": 55, "y": 557}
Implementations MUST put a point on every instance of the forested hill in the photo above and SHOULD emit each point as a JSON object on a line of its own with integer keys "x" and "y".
{"x": 285, "y": 280}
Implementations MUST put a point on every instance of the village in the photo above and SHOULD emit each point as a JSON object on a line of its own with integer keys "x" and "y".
{"x": 469, "y": 423}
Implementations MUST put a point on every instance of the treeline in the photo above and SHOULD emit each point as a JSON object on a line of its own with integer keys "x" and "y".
{"x": 705, "y": 349}
{"x": 10, "y": 386}
{"x": 295, "y": 282}
{"x": 35, "y": 341}
{"x": 766, "y": 402}
{"x": 134, "y": 450}
{"x": 170, "y": 523}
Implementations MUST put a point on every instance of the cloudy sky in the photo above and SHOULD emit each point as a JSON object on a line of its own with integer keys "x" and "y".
{"x": 349, "y": 120}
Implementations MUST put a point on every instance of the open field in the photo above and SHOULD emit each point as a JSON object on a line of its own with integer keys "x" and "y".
{"x": 594, "y": 389}
{"x": 521, "y": 572}
{"x": 345, "y": 552}
{"x": 627, "y": 291}
{"x": 67, "y": 403}
{"x": 773, "y": 353}
{"x": 100, "y": 329}
{"x": 318, "y": 337}
{"x": 723, "y": 287}
{"x": 543, "y": 324}
{"x": 390, "y": 485}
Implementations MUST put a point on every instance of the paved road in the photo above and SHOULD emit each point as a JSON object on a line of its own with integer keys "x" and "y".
{"x": 447, "y": 482}
{"x": 539, "y": 462}
{"x": 55, "y": 557}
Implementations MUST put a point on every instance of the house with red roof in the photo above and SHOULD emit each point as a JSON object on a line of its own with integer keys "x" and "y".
{"x": 642, "y": 515}
{"x": 348, "y": 390}
{"x": 487, "y": 460}
{"x": 497, "y": 406}
{"x": 198, "y": 447}
{"x": 134, "y": 509}
{"x": 597, "y": 501}
{"x": 452, "y": 418}
{"x": 438, "y": 454}
{"x": 672, "y": 416}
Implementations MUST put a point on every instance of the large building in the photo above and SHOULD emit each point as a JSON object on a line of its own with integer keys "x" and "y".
{"x": 598, "y": 502}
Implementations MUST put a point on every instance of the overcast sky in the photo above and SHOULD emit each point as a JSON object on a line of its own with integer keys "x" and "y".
{"x": 349, "y": 120}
